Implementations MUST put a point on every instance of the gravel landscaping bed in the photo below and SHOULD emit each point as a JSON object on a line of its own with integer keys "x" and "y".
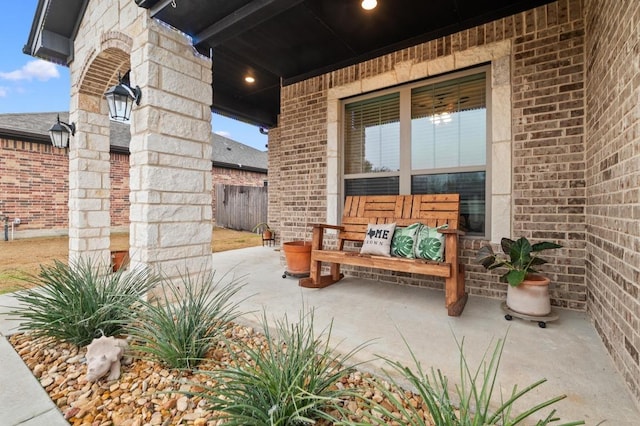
{"x": 147, "y": 393}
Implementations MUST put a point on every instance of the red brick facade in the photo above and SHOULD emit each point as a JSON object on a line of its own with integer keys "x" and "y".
{"x": 119, "y": 189}
{"x": 34, "y": 181}
{"x": 34, "y": 185}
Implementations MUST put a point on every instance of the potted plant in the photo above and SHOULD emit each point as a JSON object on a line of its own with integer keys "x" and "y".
{"x": 265, "y": 229}
{"x": 528, "y": 292}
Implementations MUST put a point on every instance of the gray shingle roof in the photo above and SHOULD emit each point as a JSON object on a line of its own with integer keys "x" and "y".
{"x": 227, "y": 152}
{"x": 35, "y": 127}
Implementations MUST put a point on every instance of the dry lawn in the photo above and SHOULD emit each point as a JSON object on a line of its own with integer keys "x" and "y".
{"x": 21, "y": 258}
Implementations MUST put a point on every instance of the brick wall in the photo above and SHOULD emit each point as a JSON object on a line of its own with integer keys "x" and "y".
{"x": 613, "y": 178}
{"x": 119, "y": 175}
{"x": 301, "y": 179}
{"x": 548, "y": 150}
{"x": 34, "y": 186}
{"x": 548, "y": 197}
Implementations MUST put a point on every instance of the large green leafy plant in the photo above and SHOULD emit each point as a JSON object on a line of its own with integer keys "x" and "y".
{"x": 520, "y": 258}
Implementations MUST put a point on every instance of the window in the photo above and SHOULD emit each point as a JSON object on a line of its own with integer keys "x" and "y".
{"x": 423, "y": 138}
{"x": 372, "y": 135}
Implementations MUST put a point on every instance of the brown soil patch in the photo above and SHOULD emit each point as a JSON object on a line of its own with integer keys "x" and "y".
{"x": 20, "y": 259}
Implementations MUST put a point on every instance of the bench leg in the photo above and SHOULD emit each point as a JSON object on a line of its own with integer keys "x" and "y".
{"x": 335, "y": 272}
{"x": 455, "y": 295}
{"x": 316, "y": 280}
{"x": 324, "y": 281}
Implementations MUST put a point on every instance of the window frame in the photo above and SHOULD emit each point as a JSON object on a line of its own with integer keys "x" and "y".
{"x": 406, "y": 173}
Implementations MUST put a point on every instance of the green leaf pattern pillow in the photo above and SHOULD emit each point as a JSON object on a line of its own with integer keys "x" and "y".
{"x": 404, "y": 241}
{"x": 430, "y": 243}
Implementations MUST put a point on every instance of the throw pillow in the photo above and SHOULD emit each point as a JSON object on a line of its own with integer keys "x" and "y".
{"x": 430, "y": 243}
{"x": 404, "y": 241}
{"x": 378, "y": 239}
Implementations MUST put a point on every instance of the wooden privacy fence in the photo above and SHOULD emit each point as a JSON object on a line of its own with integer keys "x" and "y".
{"x": 240, "y": 207}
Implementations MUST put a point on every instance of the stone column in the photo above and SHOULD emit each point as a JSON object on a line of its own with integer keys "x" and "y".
{"x": 89, "y": 182}
{"x": 170, "y": 175}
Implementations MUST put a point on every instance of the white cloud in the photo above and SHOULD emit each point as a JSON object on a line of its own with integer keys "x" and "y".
{"x": 38, "y": 69}
{"x": 223, "y": 133}
{"x": 3, "y": 92}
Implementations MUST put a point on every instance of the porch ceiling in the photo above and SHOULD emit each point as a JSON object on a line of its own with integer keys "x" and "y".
{"x": 280, "y": 42}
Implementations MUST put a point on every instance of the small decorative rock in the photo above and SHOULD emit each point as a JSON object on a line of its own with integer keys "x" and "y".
{"x": 182, "y": 404}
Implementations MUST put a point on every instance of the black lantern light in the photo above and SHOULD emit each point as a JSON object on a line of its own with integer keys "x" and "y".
{"x": 121, "y": 97}
{"x": 59, "y": 133}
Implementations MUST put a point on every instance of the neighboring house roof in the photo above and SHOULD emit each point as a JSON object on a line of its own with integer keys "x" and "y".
{"x": 233, "y": 154}
{"x": 35, "y": 127}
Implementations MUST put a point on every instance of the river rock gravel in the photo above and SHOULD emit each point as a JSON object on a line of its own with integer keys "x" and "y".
{"x": 148, "y": 393}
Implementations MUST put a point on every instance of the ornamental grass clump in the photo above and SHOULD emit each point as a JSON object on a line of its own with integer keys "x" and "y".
{"x": 79, "y": 301}
{"x": 290, "y": 381}
{"x": 474, "y": 397}
{"x": 185, "y": 320}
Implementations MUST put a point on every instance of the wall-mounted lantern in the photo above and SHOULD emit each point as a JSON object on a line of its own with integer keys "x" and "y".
{"x": 121, "y": 97}
{"x": 59, "y": 133}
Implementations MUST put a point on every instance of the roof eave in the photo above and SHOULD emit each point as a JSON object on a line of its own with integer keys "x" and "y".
{"x": 48, "y": 45}
{"x": 234, "y": 166}
{"x": 24, "y": 136}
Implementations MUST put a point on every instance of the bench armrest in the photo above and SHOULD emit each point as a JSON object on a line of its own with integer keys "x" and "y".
{"x": 326, "y": 226}
{"x": 317, "y": 237}
{"x": 451, "y": 231}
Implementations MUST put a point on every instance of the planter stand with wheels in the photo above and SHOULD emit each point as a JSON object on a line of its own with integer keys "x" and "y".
{"x": 530, "y": 301}
{"x": 541, "y": 320}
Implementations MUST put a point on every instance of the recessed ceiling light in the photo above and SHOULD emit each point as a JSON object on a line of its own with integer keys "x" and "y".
{"x": 249, "y": 79}
{"x": 369, "y": 4}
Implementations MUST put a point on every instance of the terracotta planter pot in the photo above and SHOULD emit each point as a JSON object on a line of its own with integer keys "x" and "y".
{"x": 119, "y": 258}
{"x": 531, "y": 297}
{"x": 298, "y": 256}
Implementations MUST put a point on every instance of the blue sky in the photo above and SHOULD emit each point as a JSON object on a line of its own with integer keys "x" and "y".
{"x": 31, "y": 85}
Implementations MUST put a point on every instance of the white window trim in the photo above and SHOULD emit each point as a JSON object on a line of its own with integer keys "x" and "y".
{"x": 499, "y": 132}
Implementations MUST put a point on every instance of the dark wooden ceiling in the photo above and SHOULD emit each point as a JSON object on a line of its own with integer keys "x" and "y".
{"x": 284, "y": 41}
{"x": 280, "y": 42}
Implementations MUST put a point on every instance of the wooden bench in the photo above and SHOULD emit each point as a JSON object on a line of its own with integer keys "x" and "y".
{"x": 359, "y": 211}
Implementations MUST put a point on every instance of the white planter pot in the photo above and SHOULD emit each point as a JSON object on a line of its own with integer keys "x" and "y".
{"x": 531, "y": 297}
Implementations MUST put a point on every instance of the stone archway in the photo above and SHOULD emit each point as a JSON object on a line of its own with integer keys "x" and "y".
{"x": 89, "y": 154}
{"x": 170, "y": 147}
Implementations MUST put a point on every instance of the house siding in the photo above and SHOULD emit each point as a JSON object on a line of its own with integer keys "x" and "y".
{"x": 613, "y": 180}
{"x": 34, "y": 184}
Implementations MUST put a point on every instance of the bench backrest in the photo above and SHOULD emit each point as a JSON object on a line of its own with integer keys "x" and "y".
{"x": 432, "y": 210}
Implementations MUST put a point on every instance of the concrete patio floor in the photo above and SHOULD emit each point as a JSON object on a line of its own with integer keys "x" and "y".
{"x": 568, "y": 353}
